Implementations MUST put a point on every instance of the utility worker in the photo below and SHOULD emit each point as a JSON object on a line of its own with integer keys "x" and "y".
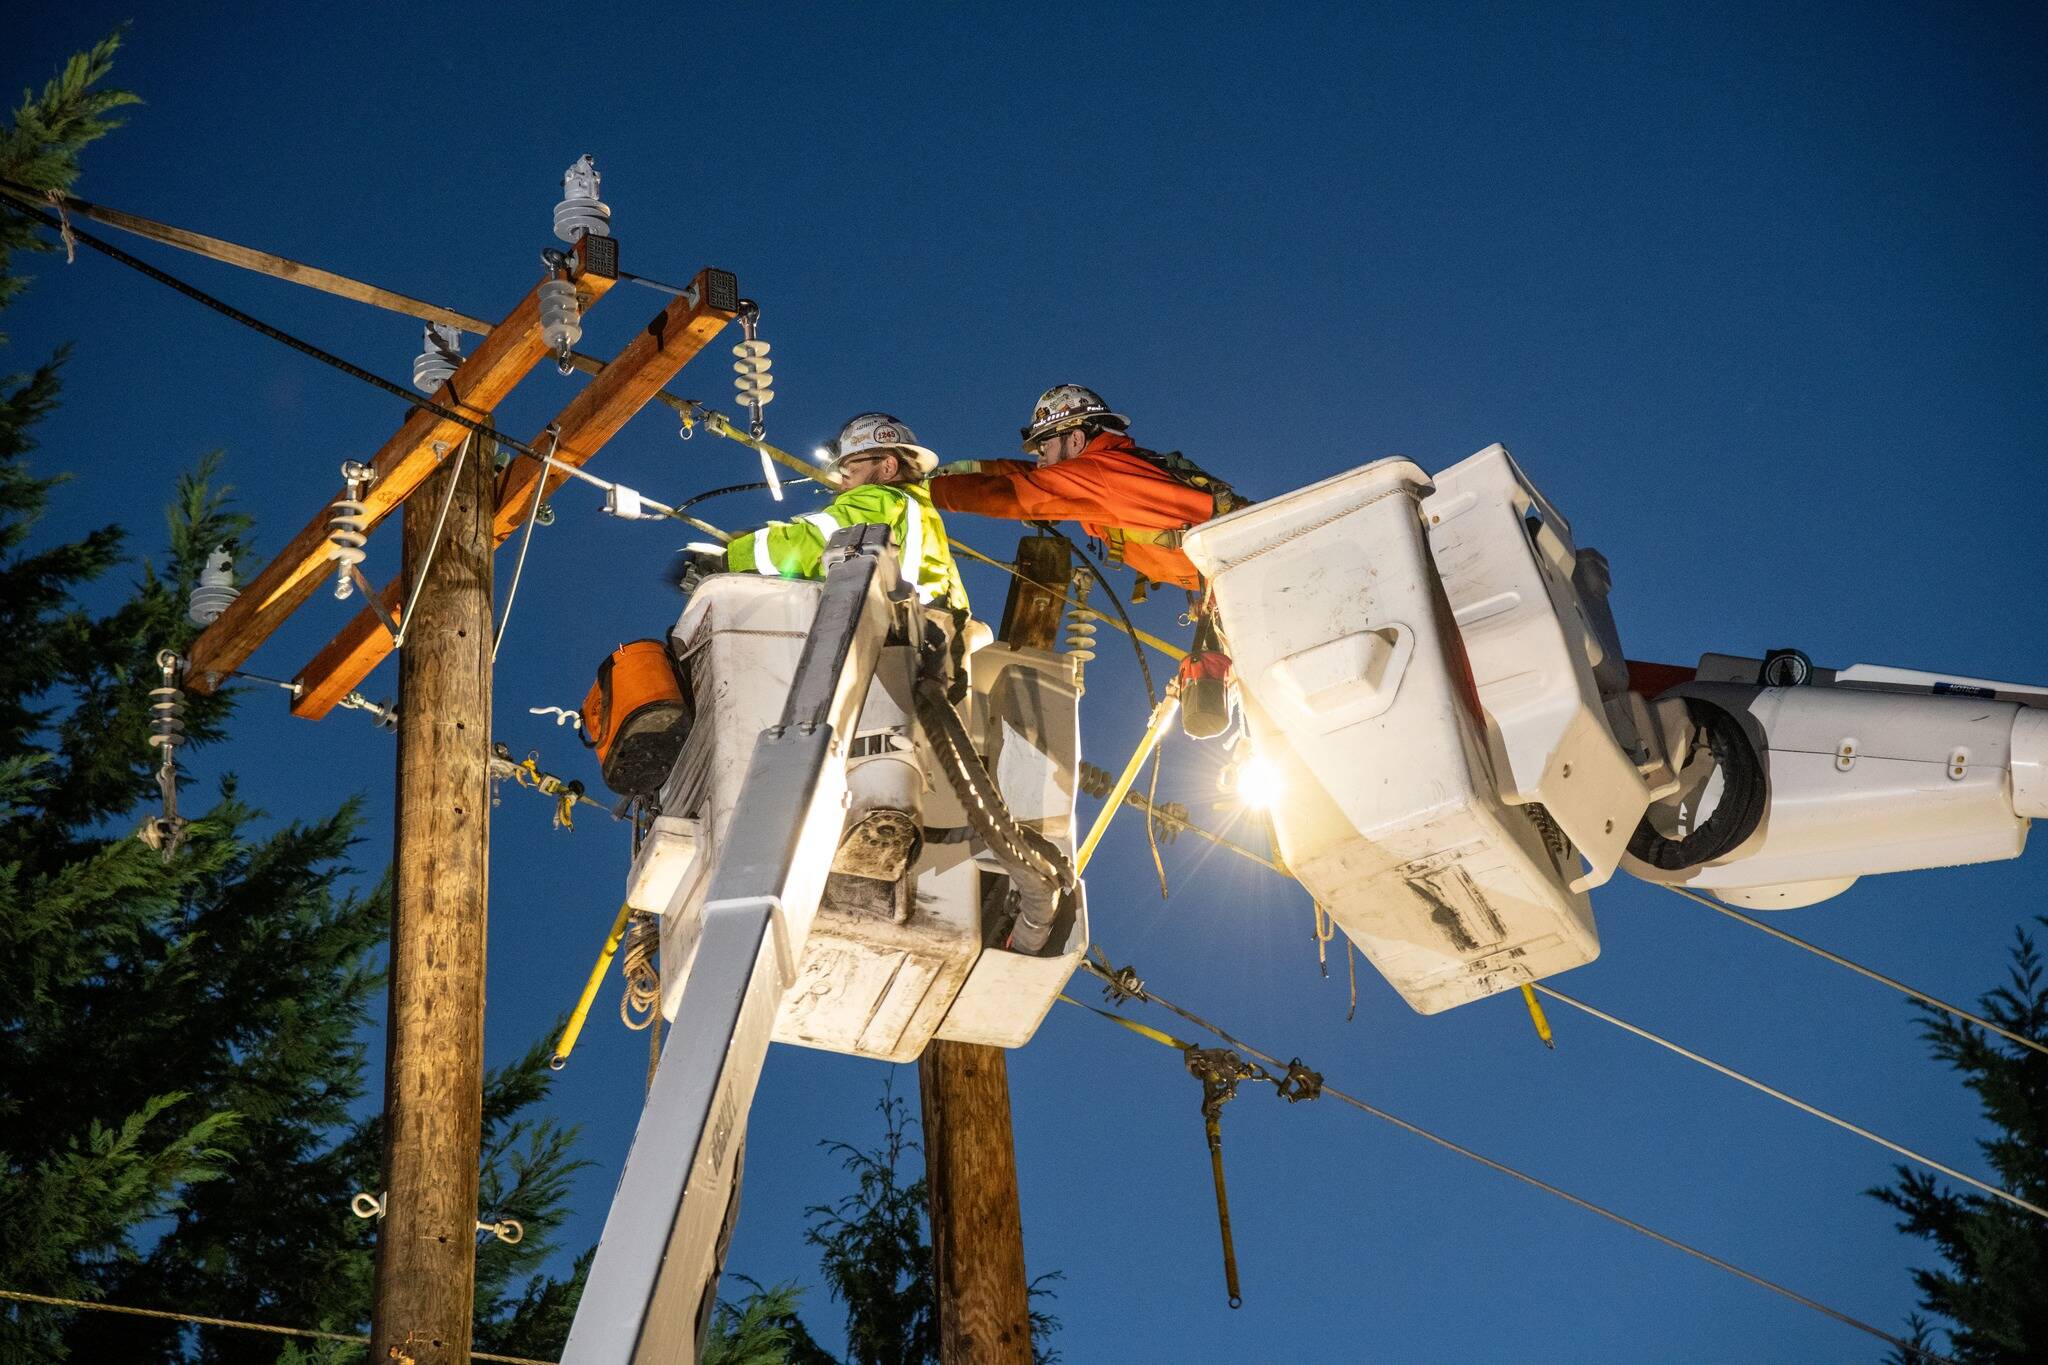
{"x": 1136, "y": 502}
{"x": 881, "y": 472}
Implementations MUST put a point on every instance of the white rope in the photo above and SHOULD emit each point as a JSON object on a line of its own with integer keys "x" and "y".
{"x": 1777, "y": 1094}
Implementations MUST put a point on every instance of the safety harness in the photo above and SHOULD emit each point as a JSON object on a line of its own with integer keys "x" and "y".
{"x": 1182, "y": 470}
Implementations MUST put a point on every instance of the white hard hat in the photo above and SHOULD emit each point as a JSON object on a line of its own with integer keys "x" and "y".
{"x": 1068, "y": 405}
{"x": 873, "y": 431}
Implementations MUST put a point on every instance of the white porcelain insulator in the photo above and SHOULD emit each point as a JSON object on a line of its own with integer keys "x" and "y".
{"x": 215, "y": 591}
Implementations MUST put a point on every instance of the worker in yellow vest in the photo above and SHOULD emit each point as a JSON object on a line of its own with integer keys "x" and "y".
{"x": 881, "y": 472}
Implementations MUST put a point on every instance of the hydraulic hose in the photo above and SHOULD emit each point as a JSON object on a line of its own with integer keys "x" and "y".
{"x": 1042, "y": 874}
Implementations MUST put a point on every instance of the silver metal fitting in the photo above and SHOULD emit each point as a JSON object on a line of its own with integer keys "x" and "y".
{"x": 581, "y": 213}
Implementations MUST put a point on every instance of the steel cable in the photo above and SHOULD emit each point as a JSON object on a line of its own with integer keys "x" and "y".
{"x": 201, "y": 1319}
{"x": 277, "y": 334}
{"x": 1901, "y": 987}
{"x": 1732, "y": 1074}
{"x": 1145, "y": 993}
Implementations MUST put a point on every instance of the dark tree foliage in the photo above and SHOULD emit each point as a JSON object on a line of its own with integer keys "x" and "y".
{"x": 874, "y": 1252}
{"x": 1991, "y": 1290}
{"x": 877, "y": 1261}
{"x": 182, "y": 1071}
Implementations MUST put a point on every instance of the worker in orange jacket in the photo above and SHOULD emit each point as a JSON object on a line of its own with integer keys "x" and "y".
{"x": 1137, "y": 502}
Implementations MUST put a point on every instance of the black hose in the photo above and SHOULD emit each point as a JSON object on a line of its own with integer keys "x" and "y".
{"x": 1042, "y": 874}
{"x": 1151, "y": 696}
{"x": 753, "y": 487}
{"x": 1745, "y": 794}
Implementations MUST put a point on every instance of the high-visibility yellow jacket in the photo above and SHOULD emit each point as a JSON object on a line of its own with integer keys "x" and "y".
{"x": 796, "y": 549}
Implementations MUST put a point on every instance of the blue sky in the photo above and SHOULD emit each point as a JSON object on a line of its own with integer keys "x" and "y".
{"x": 1754, "y": 293}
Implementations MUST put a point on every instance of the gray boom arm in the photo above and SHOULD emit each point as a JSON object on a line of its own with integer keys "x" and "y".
{"x": 655, "y": 1278}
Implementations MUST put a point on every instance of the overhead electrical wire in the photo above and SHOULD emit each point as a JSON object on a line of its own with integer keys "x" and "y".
{"x": 1901, "y": 987}
{"x": 277, "y": 334}
{"x": 23, "y": 201}
{"x": 1144, "y": 992}
{"x": 308, "y": 276}
{"x": 1666, "y": 1043}
{"x": 1793, "y": 1100}
{"x": 203, "y": 1320}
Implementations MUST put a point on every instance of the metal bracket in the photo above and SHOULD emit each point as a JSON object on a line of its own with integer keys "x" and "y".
{"x": 376, "y": 602}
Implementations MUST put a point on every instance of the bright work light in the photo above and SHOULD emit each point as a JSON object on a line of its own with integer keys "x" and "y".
{"x": 1258, "y": 783}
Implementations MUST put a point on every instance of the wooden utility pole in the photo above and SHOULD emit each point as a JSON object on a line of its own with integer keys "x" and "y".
{"x": 433, "y": 1090}
{"x": 970, "y": 1155}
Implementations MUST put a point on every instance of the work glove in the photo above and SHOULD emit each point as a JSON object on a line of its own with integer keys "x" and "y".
{"x": 692, "y": 566}
{"x": 957, "y": 467}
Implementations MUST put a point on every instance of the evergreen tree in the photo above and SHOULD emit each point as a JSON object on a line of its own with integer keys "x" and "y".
{"x": 181, "y": 1056}
{"x": 1994, "y": 1285}
{"x": 877, "y": 1256}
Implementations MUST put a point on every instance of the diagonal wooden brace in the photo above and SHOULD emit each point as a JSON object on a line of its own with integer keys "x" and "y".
{"x": 478, "y": 385}
{"x": 591, "y": 418}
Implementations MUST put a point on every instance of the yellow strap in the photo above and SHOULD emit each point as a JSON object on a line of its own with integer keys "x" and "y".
{"x": 1536, "y": 1016}
{"x": 574, "y": 1028}
{"x": 1142, "y": 1030}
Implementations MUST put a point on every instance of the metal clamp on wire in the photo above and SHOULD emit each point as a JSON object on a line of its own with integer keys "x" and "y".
{"x": 1299, "y": 1083}
{"x": 166, "y": 732}
{"x": 1122, "y": 984}
{"x": 1220, "y": 1070}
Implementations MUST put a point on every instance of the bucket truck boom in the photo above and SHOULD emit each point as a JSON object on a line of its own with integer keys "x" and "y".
{"x": 775, "y": 925}
{"x": 654, "y": 1281}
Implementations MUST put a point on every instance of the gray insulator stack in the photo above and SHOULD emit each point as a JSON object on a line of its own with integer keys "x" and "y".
{"x": 441, "y": 355}
{"x": 166, "y": 719}
{"x": 561, "y": 320}
{"x": 1080, "y": 637}
{"x": 581, "y": 213}
{"x": 216, "y": 588}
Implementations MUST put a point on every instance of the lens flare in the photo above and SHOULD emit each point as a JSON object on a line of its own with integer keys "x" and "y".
{"x": 1258, "y": 783}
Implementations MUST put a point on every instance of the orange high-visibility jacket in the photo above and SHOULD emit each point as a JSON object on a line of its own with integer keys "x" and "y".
{"x": 1120, "y": 498}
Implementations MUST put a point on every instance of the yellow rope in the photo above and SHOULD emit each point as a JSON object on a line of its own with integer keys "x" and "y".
{"x": 52, "y": 1301}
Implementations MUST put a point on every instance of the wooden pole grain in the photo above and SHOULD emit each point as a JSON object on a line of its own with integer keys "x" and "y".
{"x": 423, "y": 1296}
{"x": 983, "y": 1298}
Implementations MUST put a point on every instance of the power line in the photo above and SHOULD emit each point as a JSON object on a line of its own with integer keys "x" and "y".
{"x": 1125, "y": 986}
{"x": 1792, "y": 1100}
{"x": 52, "y": 1301}
{"x": 309, "y": 276}
{"x": 277, "y": 334}
{"x": 1901, "y": 987}
{"x": 282, "y": 268}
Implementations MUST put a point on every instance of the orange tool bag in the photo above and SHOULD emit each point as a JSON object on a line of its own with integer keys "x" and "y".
{"x": 637, "y": 716}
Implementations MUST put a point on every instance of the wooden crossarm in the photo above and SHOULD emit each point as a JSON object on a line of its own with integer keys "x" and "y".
{"x": 591, "y": 418}
{"x": 478, "y": 385}
{"x": 595, "y": 415}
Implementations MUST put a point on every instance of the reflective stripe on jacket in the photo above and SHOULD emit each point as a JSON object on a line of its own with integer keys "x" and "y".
{"x": 1118, "y": 497}
{"x": 796, "y": 549}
